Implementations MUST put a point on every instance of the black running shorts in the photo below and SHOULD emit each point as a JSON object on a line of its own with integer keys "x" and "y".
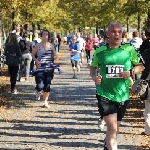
{"x": 74, "y": 63}
{"x": 107, "y": 107}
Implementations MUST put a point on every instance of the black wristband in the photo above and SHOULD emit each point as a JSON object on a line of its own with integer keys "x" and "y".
{"x": 131, "y": 73}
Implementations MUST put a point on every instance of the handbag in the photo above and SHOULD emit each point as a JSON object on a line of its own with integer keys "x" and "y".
{"x": 140, "y": 87}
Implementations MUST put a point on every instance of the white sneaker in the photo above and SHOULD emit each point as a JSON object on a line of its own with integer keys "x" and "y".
{"x": 101, "y": 123}
{"x": 22, "y": 80}
{"x": 45, "y": 104}
{"x": 38, "y": 96}
{"x": 14, "y": 92}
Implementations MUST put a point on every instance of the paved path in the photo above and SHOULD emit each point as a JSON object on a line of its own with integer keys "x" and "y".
{"x": 70, "y": 123}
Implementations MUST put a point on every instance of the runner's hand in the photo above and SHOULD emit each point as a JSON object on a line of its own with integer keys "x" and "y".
{"x": 55, "y": 58}
{"x": 38, "y": 64}
{"x": 97, "y": 80}
{"x": 74, "y": 51}
{"x": 125, "y": 74}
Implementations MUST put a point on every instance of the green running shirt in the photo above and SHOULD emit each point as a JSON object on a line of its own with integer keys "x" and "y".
{"x": 111, "y": 62}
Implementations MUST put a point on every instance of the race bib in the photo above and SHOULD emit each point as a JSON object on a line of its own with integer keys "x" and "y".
{"x": 112, "y": 71}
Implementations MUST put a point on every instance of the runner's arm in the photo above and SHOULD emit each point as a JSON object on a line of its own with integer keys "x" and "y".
{"x": 93, "y": 72}
{"x": 93, "y": 68}
{"x": 77, "y": 49}
{"x": 138, "y": 69}
{"x": 34, "y": 53}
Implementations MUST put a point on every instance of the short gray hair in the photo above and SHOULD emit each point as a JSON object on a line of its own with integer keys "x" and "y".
{"x": 114, "y": 23}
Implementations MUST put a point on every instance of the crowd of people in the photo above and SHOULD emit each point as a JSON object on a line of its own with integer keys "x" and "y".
{"x": 115, "y": 61}
{"x": 26, "y": 57}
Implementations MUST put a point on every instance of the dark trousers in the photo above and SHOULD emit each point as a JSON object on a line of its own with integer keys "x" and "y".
{"x": 13, "y": 70}
{"x": 43, "y": 80}
{"x": 87, "y": 54}
{"x": 58, "y": 47}
{"x": 24, "y": 66}
{"x": 32, "y": 65}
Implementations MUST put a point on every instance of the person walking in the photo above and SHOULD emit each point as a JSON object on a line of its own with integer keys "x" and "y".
{"x": 136, "y": 41}
{"x": 56, "y": 43}
{"x": 36, "y": 40}
{"x": 59, "y": 42}
{"x": 13, "y": 53}
{"x": 88, "y": 47}
{"x": 81, "y": 42}
{"x": 26, "y": 49}
{"x": 96, "y": 41}
{"x": 46, "y": 55}
{"x": 75, "y": 55}
{"x": 115, "y": 61}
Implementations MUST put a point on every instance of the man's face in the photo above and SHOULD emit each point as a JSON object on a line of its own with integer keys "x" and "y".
{"x": 115, "y": 34}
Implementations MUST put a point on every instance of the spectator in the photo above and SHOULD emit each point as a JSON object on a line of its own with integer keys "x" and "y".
{"x": 12, "y": 53}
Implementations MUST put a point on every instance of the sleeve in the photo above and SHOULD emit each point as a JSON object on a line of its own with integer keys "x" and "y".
{"x": 135, "y": 56}
{"x": 94, "y": 61}
{"x": 5, "y": 50}
{"x": 142, "y": 47}
{"x": 19, "y": 51}
{"x": 70, "y": 47}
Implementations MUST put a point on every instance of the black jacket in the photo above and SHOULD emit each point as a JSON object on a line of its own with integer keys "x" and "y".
{"x": 12, "y": 53}
{"x": 145, "y": 45}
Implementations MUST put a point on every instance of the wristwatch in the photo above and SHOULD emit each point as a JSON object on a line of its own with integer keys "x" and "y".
{"x": 132, "y": 73}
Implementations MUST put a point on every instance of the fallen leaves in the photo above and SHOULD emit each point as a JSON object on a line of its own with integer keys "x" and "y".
{"x": 135, "y": 117}
{"x": 4, "y": 88}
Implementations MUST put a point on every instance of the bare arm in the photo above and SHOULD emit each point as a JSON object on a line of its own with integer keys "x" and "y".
{"x": 95, "y": 78}
{"x": 138, "y": 69}
{"x": 135, "y": 70}
{"x": 34, "y": 52}
{"x": 93, "y": 73}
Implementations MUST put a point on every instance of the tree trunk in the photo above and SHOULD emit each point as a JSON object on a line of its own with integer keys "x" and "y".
{"x": 139, "y": 23}
{"x": 1, "y": 38}
{"x": 128, "y": 24}
{"x": 148, "y": 19}
{"x": 13, "y": 17}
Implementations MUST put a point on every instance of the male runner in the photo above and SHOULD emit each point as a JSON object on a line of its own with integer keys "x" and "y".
{"x": 115, "y": 61}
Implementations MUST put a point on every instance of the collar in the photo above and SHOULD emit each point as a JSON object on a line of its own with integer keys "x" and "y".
{"x": 113, "y": 48}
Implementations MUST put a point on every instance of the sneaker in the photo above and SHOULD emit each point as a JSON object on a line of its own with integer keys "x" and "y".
{"x": 101, "y": 123}
{"x": 105, "y": 148}
{"x": 38, "y": 95}
{"x": 26, "y": 80}
{"x": 74, "y": 77}
{"x": 22, "y": 80}
{"x": 45, "y": 104}
{"x": 14, "y": 92}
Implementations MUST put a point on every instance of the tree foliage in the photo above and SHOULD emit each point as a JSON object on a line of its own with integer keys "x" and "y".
{"x": 68, "y": 14}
